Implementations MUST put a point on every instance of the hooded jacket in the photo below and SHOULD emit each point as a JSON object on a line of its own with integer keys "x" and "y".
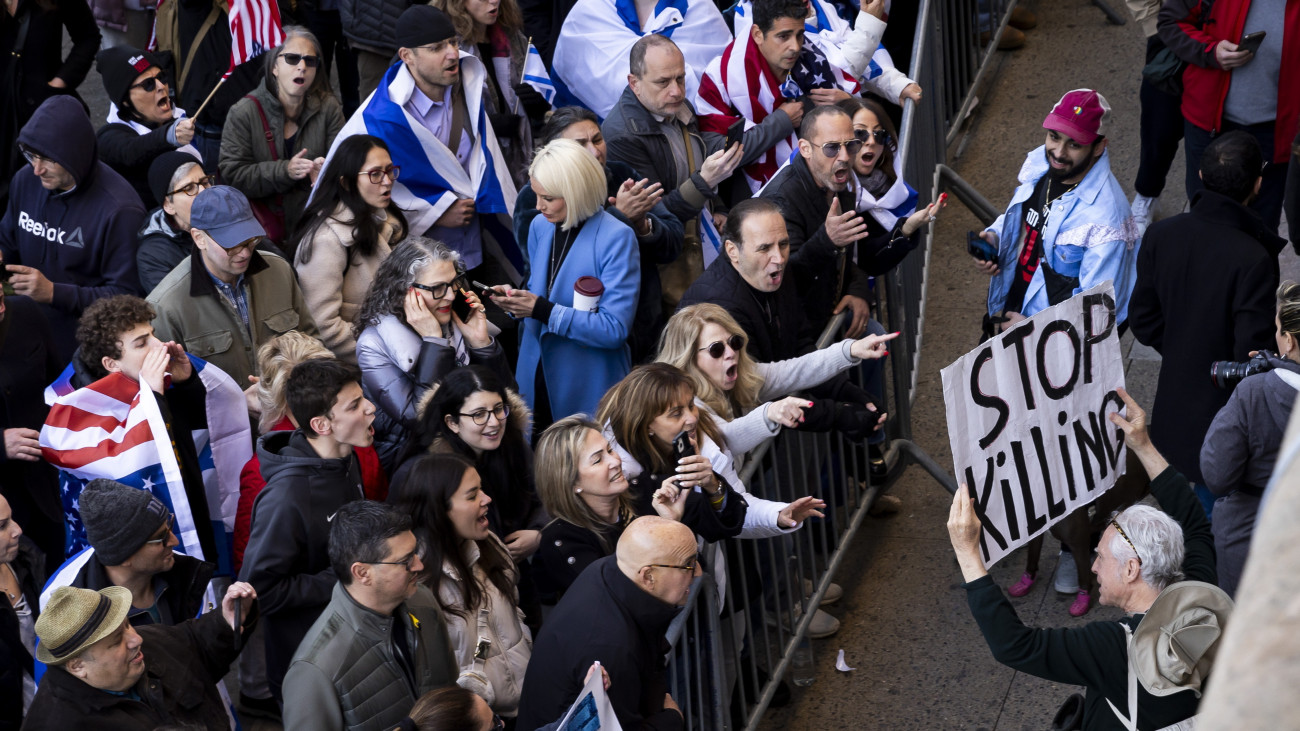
{"x": 161, "y": 249}
{"x": 287, "y": 558}
{"x": 83, "y": 240}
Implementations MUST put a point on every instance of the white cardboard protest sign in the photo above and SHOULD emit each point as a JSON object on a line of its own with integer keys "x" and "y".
{"x": 592, "y": 710}
{"x": 1028, "y": 419}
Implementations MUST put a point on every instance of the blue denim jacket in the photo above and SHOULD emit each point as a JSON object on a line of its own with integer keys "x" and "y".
{"x": 1090, "y": 234}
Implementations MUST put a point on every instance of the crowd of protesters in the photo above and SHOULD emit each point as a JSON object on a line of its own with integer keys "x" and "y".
{"x": 387, "y": 399}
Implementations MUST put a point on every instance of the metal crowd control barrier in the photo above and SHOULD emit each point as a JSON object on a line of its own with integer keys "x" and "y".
{"x": 727, "y": 661}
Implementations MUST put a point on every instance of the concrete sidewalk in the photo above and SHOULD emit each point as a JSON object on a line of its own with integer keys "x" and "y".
{"x": 920, "y": 661}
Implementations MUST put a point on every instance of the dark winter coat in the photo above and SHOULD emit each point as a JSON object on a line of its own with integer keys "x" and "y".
{"x": 620, "y": 625}
{"x": 181, "y": 599}
{"x": 162, "y": 248}
{"x": 29, "y": 567}
{"x": 370, "y": 23}
{"x": 1205, "y": 292}
{"x": 82, "y": 240}
{"x": 822, "y": 272}
{"x": 131, "y": 153}
{"x": 287, "y": 558}
{"x": 183, "y": 665}
{"x": 28, "y": 364}
{"x": 24, "y": 79}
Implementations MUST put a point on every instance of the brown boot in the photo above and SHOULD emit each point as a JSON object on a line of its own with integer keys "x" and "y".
{"x": 1011, "y": 39}
{"x": 1023, "y": 19}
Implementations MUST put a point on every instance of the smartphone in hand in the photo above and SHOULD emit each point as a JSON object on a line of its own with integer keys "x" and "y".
{"x": 460, "y": 305}
{"x": 735, "y": 133}
{"x": 682, "y": 447}
{"x": 1252, "y": 41}
{"x": 977, "y": 247}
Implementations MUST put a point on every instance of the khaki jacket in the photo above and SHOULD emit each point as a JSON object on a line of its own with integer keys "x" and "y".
{"x": 193, "y": 313}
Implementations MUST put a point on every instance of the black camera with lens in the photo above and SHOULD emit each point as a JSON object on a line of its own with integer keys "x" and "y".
{"x": 1228, "y": 373}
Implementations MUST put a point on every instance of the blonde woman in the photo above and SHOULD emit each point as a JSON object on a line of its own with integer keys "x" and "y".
{"x": 580, "y": 481}
{"x": 749, "y": 399}
{"x": 275, "y": 359}
{"x": 569, "y": 356}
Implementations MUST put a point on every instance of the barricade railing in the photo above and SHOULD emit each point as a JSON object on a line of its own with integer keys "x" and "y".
{"x": 728, "y": 665}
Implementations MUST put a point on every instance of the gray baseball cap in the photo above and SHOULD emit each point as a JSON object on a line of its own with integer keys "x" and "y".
{"x": 223, "y": 213}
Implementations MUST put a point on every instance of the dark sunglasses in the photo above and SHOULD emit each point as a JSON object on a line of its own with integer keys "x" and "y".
{"x": 440, "y": 290}
{"x": 151, "y": 83}
{"x": 719, "y": 349}
{"x": 832, "y": 149}
{"x": 193, "y": 189}
{"x": 293, "y": 59}
{"x": 865, "y": 135}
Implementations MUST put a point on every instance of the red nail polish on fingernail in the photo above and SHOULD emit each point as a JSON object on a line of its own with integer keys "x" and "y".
{"x": 886, "y": 352}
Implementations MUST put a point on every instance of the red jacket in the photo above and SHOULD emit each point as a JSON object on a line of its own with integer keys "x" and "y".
{"x": 373, "y": 480}
{"x": 1192, "y": 36}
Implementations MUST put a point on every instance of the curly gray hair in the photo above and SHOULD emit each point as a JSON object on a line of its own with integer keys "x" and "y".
{"x": 387, "y": 293}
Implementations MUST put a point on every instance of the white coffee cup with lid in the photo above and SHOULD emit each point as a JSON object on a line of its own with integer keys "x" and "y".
{"x": 587, "y": 292}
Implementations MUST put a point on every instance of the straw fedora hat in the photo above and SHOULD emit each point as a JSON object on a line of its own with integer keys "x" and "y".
{"x": 1175, "y": 643}
{"x": 78, "y": 618}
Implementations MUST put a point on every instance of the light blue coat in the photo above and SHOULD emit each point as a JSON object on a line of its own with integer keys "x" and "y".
{"x": 1090, "y": 234}
{"x": 581, "y": 353}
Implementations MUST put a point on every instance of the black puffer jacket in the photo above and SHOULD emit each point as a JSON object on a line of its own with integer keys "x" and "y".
{"x": 370, "y": 23}
{"x": 162, "y": 248}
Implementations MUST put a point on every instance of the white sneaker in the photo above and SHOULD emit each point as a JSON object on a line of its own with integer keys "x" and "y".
{"x": 1067, "y": 574}
{"x": 1144, "y": 211}
{"x": 823, "y": 625}
{"x": 834, "y": 592}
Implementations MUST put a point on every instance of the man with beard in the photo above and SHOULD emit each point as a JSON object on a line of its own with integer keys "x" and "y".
{"x": 1068, "y": 227}
{"x": 143, "y": 123}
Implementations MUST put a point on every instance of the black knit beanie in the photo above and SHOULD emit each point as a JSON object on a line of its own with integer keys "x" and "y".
{"x": 120, "y": 65}
{"x": 119, "y": 519}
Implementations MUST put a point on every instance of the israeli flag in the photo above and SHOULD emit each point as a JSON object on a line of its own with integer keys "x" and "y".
{"x": 535, "y": 75}
{"x": 710, "y": 239}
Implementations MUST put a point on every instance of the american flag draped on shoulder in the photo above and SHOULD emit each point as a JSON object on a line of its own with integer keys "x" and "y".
{"x": 739, "y": 84}
{"x": 113, "y": 428}
{"x": 254, "y": 29}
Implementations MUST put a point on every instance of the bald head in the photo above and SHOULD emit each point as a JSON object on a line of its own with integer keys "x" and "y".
{"x": 659, "y": 555}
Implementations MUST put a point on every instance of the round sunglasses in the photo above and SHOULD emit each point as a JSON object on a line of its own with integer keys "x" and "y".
{"x": 832, "y": 149}
{"x": 718, "y": 349}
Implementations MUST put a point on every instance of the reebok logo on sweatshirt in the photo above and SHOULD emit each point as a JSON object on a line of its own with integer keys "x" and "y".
{"x": 50, "y": 233}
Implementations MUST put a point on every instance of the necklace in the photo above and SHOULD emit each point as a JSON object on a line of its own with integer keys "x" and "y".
{"x": 565, "y": 240}
{"x": 1048, "y": 200}
{"x": 11, "y": 577}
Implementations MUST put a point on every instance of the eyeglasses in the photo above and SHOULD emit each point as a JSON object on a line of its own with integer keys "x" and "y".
{"x": 865, "y": 135}
{"x": 151, "y": 83}
{"x": 293, "y": 59}
{"x": 169, "y": 528}
{"x": 192, "y": 189}
{"x": 690, "y": 565}
{"x": 377, "y": 175}
{"x": 406, "y": 562}
{"x": 832, "y": 149}
{"x": 33, "y": 157}
{"x": 1127, "y": 540}
{"x": 719, "y": 348}
{"x": 480, "y": 416}
{"x": 440, "y": 290}
{"x": 454, "y": 42}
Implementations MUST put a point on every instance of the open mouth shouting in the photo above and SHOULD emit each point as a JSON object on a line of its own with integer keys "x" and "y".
{"x": 840, "y": 174}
